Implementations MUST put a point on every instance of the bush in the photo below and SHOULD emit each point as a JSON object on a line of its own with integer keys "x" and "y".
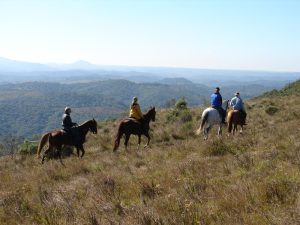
{"x": 271, "y": 110}
{"x": 219, "y": 148}
{"x": 186, "y": 116}
{"x": 28, "y": 147}
{"x": 180, "y": 112}
{"x": 181, "y": 104}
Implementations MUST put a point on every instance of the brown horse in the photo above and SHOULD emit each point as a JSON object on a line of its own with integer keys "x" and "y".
{"x": 58, "y": 138}
{"x": 130, "y": 126}
{"x": 234, "y": 118}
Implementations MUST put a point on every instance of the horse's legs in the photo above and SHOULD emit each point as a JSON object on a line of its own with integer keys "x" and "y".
{"x": 234, "y": 128}
{"x": 241, "y": 130}
{"x": 220, "y": 130}
{"x": 77, "y": 150}
{"x": 59, "y": 149}
{"x": 148, "y": 136}
{"x": 205, "y": 132}
{"x": 139, "y": 141}
{"x": 82, "y": 150}
{"x": 127, "y": 136}
{"x": 45, "y": 153}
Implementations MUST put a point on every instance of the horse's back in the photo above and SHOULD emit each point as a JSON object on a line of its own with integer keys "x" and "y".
{"x": 212, "y": 115}
{"x": 56, "y": 132}
{"x": 130, "y": 125}
{"x": 234, "y": 116}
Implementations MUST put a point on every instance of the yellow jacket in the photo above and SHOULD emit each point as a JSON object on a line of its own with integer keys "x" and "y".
{"x": 135, "y": 111}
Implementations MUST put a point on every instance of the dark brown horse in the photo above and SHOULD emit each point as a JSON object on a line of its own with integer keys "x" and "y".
{"x": 130, "y": 126}
{"x": 58, "y": 138}
{"x": 235, "y": 118}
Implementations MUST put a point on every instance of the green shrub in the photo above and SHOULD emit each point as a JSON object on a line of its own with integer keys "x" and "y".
{"x": 185, "y": 116}
{"x": 218, "y": 148}
{"x": 28, "y": 147}
{"x": 181, "y": 104}
{"x": 271, "y": 110}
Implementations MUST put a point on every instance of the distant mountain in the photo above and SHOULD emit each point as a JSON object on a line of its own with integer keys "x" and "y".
{"x": 175, "y": 81}
{"x": 79, "y": 65}
{"x": 7, "y": 65}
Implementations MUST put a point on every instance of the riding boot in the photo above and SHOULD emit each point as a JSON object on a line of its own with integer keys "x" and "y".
{"x": 76, "y": 136}
{"x": 142, "y": 124}
{"x": 223, "y": 116}
{"x": 244, "y": 115}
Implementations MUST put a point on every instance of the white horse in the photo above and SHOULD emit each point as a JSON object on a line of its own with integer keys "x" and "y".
{"x": 210, "y": 117}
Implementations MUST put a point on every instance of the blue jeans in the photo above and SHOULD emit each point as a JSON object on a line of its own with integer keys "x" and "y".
{"x": 221, "y": 111}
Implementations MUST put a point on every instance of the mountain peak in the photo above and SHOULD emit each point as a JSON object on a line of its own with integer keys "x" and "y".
{"x": 81, "y": 62}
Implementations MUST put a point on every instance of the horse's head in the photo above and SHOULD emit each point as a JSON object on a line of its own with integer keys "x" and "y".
{"x": 152, "y": 113}
{"x": 225, "y": 104}
{"x": 93, "y": 126}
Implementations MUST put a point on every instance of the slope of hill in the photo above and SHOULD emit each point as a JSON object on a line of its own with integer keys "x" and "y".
{"x": 7, "y": 65}
{"x": 34, "y": 107}
{"x": 248, "y": 179}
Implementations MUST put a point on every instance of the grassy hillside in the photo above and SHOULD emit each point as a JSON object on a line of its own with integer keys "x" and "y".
{"x": 252, "y": 178}
{"x": 35, "y": 107}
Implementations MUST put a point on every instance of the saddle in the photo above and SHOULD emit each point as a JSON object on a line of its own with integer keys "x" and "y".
{"x": 133, "y": 119}
{"x": 141, "y": 123}
{"x": 70, "y": 132}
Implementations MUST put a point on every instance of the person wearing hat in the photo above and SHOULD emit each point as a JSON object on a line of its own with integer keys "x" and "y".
{"x": 135, "y": 110}
{"x": 237, "y": 104}
{"x": 69, "y": 127}
{"x": 216, "y": 103}
{"x": 67, "y": 121}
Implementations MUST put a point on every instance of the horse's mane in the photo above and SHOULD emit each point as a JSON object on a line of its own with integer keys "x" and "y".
{"x": 85, "y": 122}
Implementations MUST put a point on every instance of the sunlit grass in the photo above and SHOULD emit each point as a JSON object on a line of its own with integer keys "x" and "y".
{"x": 251, "y": 178}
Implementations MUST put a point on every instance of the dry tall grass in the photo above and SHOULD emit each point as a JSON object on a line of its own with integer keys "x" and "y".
{"x": 252, "y": 178}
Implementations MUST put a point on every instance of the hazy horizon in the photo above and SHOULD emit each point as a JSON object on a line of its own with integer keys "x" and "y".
{"x": 239, "y": 35}
{"x": 143, "y": 66}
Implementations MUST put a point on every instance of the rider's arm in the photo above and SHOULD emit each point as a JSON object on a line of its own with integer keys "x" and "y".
{"x": 232, "y": 103}
{"x": 220, "y": 99}
{"x": 138, "y": 110}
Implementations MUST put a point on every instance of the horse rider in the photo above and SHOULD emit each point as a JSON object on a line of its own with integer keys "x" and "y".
{"x": 216, "y": 103}
{"x": 68, "y": 126}
{"x": 135, "y": 111}
{"x": 237, "y": 104}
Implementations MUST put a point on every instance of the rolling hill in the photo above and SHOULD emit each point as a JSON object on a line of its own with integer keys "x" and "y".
{"x": 31, "y": 108}
{"x": 247, "y": 179}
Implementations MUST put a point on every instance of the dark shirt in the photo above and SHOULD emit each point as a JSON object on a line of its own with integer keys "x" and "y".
{"x": 67, "y": 121}
{"x": 216, "y": 100}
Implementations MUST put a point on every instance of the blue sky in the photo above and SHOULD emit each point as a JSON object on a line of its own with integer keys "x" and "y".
{"x": 217, "y": 34}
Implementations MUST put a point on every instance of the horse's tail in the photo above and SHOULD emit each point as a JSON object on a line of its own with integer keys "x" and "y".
{"x": 44, "y": 140}
{"x": 204, "y": 119}
{"x": 229, "y": 121}
{"x": 118, "y": 137}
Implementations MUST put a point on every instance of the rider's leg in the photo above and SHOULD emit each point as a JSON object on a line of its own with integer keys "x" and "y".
{"x": 244, "y": 116}
{"x": 222, "y": 114}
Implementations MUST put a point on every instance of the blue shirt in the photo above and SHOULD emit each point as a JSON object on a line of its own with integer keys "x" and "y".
{"x": 216, "y": 99}
{"x": 237, "y": 103}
